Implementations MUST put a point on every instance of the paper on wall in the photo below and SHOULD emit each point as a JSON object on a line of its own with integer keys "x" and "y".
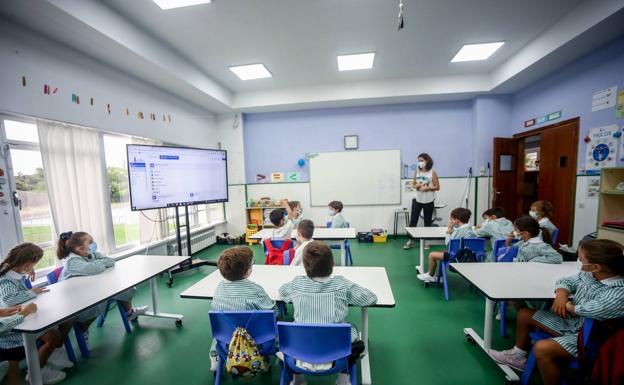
{"x": 604, "y": 98}
{"x": 601, "y": 150}
{"x": 593, "y": 188}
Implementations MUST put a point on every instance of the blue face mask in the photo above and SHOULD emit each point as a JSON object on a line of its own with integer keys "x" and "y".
{"x": 92, "y": 248}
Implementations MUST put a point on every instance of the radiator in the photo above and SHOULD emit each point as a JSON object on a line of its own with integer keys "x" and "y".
{"x": 198, "y": 242}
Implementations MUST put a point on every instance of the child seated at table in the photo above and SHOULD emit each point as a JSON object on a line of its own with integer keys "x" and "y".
{"x": 20, "y": 261}
{"x": 10, "y": 317}
{"x": 281, "y": 218}
{"x": 335, "y": 212}
{"x": 542, "y": 211}
{"x": 305, "y": 231}
{"x": 236, "y": 291}
{"x": 531, "y": 247}
{"x": 81, "y": 258}
{"x": 495, "y": 226}
{"x": 597, "y": 292}
{"x": 318, "y": 297}
{"x": 295, "y": 206}
{"x": 458, "y": 227}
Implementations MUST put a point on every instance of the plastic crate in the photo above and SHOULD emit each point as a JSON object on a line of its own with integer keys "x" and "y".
{"x": 251, "y": 230}
{"x": 382, "y": 238}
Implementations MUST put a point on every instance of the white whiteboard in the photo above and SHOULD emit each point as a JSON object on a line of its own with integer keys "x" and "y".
{"x": 356, "y": 177}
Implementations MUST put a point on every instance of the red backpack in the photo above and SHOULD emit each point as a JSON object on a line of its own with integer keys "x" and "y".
{"x": 275, "y": 256}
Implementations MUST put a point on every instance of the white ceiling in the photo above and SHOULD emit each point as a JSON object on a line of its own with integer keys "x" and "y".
{"x": 187, "y": 51}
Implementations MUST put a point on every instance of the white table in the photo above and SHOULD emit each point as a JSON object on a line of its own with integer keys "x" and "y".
{"x": 423, "y": 234}
{"x": 68, "y": 298}
{"x": 272, "y": 277}
{"x": 338, "y": 235}
{"x": 510, "y": 281}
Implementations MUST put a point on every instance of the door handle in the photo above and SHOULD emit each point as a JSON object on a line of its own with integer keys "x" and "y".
{"x": 498, "y": 192}
{"x": 17, "y": 202}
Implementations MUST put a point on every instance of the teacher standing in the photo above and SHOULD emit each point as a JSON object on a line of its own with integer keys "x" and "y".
{"x": 426, "y": 184}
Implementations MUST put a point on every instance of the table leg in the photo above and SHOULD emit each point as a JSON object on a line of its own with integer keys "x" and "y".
{"x": 421, "y": 255}
{"x": 155, "y": 310}
{"x": 396, "y": 222}
{"x": 487, "y": 324}
{"x": 343, "y": 253}
{"x": 365, "y": 364}
{"x": 32, "y": 358}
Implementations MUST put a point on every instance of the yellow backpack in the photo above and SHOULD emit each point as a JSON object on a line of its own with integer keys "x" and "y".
{"x": 244, "y": 359}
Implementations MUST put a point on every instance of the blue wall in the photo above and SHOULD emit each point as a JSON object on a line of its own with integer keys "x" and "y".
{"x": 570, "y": 90}
{"x": 275, "y": 141}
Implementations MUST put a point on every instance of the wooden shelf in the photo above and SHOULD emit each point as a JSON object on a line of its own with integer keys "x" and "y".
{"x": 611, "y": 203}
{"x": 615, "y": 229}
{"x": 612, "y": 192}
{"x": 264, "y": 207}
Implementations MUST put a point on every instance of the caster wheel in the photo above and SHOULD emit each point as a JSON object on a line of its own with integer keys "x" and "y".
{"x": 170, "y": 283}
{"x": 178, "y": 323}
{"x": 470, "y": 340}
{"x": 508, "y": 382}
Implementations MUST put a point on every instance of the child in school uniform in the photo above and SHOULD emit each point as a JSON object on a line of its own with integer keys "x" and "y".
{"x": 531, "y": 248}
{"x": 20, "y": 261}
{"x": 81, "y": 258}
{"x": 236, "y": 291}
{"x": 597, "y": 292}
{"x": 542, "y": 211}
{"x": 295, "y": 207}
{"x": 10, "y": 317}
{"x": 335, "y": 212}
{"x": 282, "y": 219}
{"x": 318, "y": 297}
{"x": 495, "y": 226}
{"x": 458, "y": 227}
{"x": 305, "y": 231}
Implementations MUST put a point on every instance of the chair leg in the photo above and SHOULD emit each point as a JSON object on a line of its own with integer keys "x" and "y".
{"x": 503, "y": 321}
{"x": 353, "y": 374}
{"x": 219, "y": 370}
{"x": 444, "y": 266}
{"x": 102, "y": 317}
{"x": 528, "y": 369}
{"x": 82, "y": 344}
{"x": 124, "y": 317}
{"x": 349, "y": 256}
{"x": 284, "y": 375}
{"x": 70, "y": 350}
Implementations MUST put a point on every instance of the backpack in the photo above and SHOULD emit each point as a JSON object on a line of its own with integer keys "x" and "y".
{"x": 274, "y": 255}
{"x": 465, "y": 255}
{"x": 244, "y": 359}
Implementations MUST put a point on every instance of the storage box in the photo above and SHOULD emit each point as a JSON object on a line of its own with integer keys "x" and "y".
{"x": 381, "y": 238}
{"x": 365, "y": 237}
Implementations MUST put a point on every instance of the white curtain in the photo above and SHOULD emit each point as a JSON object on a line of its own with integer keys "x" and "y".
{"x": 73, "y": 161}
{"x": 152, "y": 223}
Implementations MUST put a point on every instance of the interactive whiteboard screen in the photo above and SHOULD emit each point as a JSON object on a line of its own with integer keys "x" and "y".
{"x": 175, "y": 176}
{"x": 356, "y": 177}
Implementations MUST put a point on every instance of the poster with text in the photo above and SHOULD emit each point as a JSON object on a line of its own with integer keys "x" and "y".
{"x": 602, "y": 147}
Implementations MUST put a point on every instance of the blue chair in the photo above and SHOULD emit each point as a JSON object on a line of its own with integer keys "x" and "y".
{"x": 260, "y": 324}
{"x": 454, "y": 246}
{"x": 541, "y": 335}
{"x": 347, "y": 246}
{"x": 505, "y": 254}
{"x": 53, "y": 277}
{"x": 315, "y": 344}
{"x": 122, "y": 313}
{"x": 499, "y": 245}
{"x": 287, "y": 257}
{"x": 477, "y": 246}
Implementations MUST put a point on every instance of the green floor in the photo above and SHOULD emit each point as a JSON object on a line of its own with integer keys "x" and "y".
{"x": 419, "y": 341}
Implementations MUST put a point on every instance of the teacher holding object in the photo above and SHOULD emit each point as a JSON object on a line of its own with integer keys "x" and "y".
{"x": 426, "y": 184}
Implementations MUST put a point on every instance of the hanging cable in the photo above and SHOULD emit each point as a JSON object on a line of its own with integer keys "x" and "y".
{"x": 401, "y": 23}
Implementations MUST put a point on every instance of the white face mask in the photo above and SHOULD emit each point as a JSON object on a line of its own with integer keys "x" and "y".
{"x": 331, "y": 212}
{"x": 516, "y": 234}
{"x": 422, "y": 164}
{"x": 300, "y": 211}
{"x": 533, "y": 214}
{"x": 486, "y": 221}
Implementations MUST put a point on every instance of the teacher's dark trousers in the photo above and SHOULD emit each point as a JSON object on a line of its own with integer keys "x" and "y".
{"x": 427, "y": 209}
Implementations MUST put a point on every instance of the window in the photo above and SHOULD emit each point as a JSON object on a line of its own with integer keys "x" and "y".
{"x": 30, "y": 185}
{"x": 199, "y": 215}
{"x": 125, "y": 221}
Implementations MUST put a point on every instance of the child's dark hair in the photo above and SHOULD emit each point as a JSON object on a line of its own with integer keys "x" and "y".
{"x": 234, "y": 262}
{"x": 277, "y": 215}
{"x": 68, "y": 242}
{"x": 496, "y": 211}
{"x": 19, "y": 255}
{"x": 336, "y": 205}
{"x": 428, "y": 161}
{"x": 528, "y": 224}
{"x": 461, "y": 214}
{"x": 605, "y": 252}
{"x": 306, "y": 228}
{"x": 545, "y": 208}
{"x": 293, "y": 204}
{"x": 318, "y": 260}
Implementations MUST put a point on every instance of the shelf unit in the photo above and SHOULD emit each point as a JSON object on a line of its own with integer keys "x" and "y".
{"x": 257, "y": 215}
{"x": 611, "y": 203}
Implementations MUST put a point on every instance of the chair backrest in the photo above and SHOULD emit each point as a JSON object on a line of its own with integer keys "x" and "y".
{"x": 315, "y": 343}
{"x": 329, "y": 224}
{"x": 259, "y": 323}
{"x": 277, "y": 243}
{"x": 27, "y": 283}
{"x": 287, "y": 257}
{"x": 54, "y": 275}
{"x": 508, "y": 255}
{"x": 554, "y": 234}
{"x": 453, "y": 246}
{"x": 496, "y": 249}
{"x": 476, "y": 245}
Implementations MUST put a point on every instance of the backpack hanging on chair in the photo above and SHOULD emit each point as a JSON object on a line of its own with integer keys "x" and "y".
{"x": 275, "y": 256}
{"x": 244, "y": 359}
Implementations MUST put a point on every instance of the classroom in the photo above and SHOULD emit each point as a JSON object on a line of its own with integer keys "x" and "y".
{"x": 311, "y": 192}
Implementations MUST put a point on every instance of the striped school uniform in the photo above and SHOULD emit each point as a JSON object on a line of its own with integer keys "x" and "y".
{"x": 338, "y": 221}
{"x": 595, "y": 299}
{"x": 463, "y": 231}
{"x": 536, "y": 250}
{"x": 325, "y": 300}
{"x": 6, "y": 324}
{"x": 496, "y": 229}
{"x": 75, "y": 265}
{"x": 241, "y": 295}
{"x": 12, "y": 292}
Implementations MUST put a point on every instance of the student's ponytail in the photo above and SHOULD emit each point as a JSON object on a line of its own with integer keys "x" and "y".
{"x": 68, "y": 242}
{"x": 19, "y": 255}
{"x": 546, "y": 235}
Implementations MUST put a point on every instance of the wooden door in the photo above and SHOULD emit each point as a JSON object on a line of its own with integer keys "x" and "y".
{"x": 557, "y": 175}
{"x": 504, "y": 176}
